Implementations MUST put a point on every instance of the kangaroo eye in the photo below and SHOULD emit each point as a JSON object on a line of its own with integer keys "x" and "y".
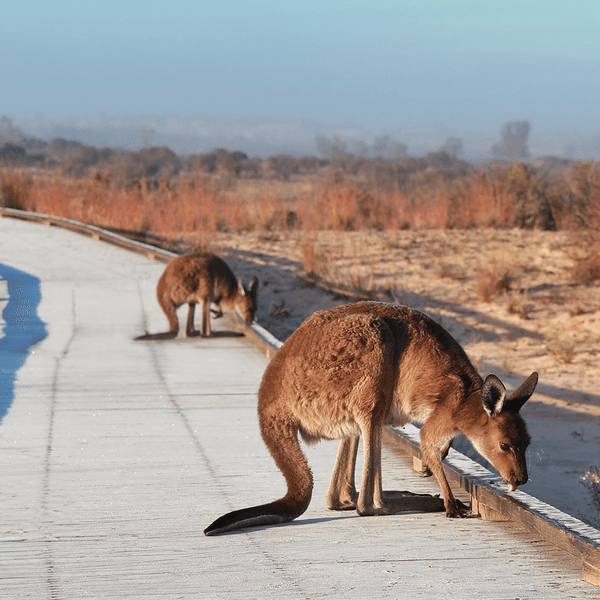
{"x": 504, "y": 447}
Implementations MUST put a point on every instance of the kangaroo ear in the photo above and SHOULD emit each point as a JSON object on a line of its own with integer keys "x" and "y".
{"x": 515, "y": 401}
{"x": 254, "y": 286}
{"x": 241, "y": 288}
{"x": 493, "y": 394}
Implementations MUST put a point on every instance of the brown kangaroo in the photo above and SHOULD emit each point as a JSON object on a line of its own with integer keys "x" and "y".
{"x": 350, "y": 371}
{"x": 202, "y": 278}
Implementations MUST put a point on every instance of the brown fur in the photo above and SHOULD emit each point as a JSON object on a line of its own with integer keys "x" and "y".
{"x": 206, "y": 279}
{"x": 350, "y": 371}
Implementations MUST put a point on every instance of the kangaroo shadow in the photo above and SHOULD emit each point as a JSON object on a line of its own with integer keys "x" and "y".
{"x": 20, "y": 327}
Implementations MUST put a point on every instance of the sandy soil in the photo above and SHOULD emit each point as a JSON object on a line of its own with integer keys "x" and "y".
{"x": 543, "y": 322}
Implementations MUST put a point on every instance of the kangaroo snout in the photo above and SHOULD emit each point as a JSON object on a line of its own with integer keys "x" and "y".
{"x": 516, "y": 479}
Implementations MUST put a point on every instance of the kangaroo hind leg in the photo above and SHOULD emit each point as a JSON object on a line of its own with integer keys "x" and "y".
{"x": 205, "y": 329}
{"x": 190, "y": 330}
{"x": 170, "y": 310}
{"x": 373, "y": 500}
{"x": 342, "y": 493}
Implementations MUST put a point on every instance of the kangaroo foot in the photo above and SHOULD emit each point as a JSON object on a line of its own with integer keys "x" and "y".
{"x": 343, "y": 502}
{"x": 348, "y": 505}
{"x": 458, "y": 510}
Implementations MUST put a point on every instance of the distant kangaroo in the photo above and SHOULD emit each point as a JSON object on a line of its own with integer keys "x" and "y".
{"x": 202, "y": 278}
{"x": 350, "y": 371}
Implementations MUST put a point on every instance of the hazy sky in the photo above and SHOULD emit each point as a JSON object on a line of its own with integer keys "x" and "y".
{"x": 468, "y": 64}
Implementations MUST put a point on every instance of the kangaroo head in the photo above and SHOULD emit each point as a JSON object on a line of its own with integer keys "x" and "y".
{"x": 503, "y": 439}
{"x": 245, "y": 301}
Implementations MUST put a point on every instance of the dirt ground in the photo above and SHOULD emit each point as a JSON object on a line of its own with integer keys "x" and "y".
{"x": 540, "y": 320}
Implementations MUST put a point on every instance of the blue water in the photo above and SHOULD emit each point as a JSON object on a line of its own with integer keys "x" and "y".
{"x": 22, "y": 328}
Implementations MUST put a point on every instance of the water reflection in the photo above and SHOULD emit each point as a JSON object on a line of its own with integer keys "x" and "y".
{"x": 20, "y": 327}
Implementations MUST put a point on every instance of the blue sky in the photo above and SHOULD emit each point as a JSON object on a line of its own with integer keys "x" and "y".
{"x": 376, "y": 64}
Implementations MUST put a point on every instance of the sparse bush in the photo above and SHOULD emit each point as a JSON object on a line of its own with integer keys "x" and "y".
{"x": 446, "y": 270}
{"x": 583, "y": 179}
{"x": 493, "y": 279}
{"x": 518, "y": 305}
{"x": 532, "y": 208}
{"x": 591, "y": 480}
{"x": 564, "y": 350}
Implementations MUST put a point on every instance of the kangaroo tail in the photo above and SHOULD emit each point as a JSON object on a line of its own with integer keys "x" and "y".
{"x": 256, "y": 516}
{"x": 282, "y": 441}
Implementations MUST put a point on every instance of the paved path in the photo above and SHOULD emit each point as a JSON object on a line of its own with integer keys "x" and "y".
{"x": 115, "y": 455}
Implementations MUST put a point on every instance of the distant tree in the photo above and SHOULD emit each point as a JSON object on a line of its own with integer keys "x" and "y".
{"x": 323, "y": 145}
{"x": 229, "y": 163}
{"x": 338, "y": 146}
{"x": 153, "y": 163}
{"x": 453, "y": 146}
{"x": 59, "y": 144}
{"x": 308, "y": 164}
{"x": 381, "y": 143}
{"x": 440, "y": 159}
{"x": 330, "y": 147}
{"x": 146, "y": 135}
{"x": 8, "y": 132}
{"x": 360, "y": 148}
{"x": 513, "y": 146}
{"x": 281, "y": 166}
{"x": 398, "y": 150}
{"x": 13, "y": 154}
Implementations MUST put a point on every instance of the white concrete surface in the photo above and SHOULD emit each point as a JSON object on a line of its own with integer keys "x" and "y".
{"x": 115, "y": 455}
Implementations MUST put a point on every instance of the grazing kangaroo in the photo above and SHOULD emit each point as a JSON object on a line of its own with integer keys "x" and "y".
{"x": 350, "y": 371}
{"x": 202, "y": 278}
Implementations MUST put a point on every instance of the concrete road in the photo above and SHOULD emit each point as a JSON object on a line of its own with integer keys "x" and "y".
{"x": 115, "y": 455}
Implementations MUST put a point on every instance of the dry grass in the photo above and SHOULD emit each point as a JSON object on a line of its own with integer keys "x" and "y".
{"x": 239, "y": 206}
{"x": 394, "y": 199}
{"x": 314, "y": 261}
{"x": 14, "y": 190}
